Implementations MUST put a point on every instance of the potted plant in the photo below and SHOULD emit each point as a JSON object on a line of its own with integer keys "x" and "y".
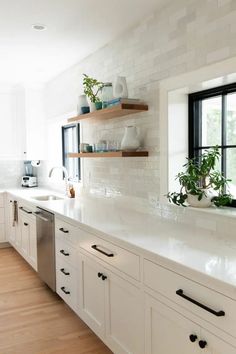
{"x": 201, "y": 185}
{"x": 92, "y": 88}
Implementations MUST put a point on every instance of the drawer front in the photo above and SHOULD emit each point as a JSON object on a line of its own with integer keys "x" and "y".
{"x": 66, "y": 253}
{"x": 200, "y": 300}
{"x": 65, "y": 271}
{"x": 123, "y": 260}
{"x": 67, "y": 232}
{"x": 66, "y": 289}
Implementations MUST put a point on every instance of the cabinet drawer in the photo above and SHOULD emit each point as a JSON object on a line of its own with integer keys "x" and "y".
{"x": 66, "y": 289}
{"x": 116, "y": 256}
{"x": 67, "y": 232}
{"x": 65, "y": 253}
{"x": 65, "y": 271}
{"x": 192, "y": 296}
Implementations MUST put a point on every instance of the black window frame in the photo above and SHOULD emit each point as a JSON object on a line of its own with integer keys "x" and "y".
{"x": 64, "y": 157}
{"x": 195, "y": 123}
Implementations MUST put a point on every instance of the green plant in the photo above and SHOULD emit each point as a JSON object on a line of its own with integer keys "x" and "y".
{"x": 92, "y": 88}
{"x": 200, "y": 175}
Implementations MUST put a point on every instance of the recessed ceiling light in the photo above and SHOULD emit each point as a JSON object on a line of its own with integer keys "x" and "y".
{"x": 39, "y": 27}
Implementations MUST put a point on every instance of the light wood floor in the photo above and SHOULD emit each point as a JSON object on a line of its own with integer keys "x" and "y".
{"x": 33, "y": 320}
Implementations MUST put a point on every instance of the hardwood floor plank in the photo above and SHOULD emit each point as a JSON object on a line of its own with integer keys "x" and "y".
{"x": 34, "y": 320}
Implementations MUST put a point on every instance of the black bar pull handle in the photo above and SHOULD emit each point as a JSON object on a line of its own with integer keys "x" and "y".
{"x": 64, "y": 253}
{"x": 64, "y": 290}
{"x": 25, "y": 223}
{"x": 25, "y": 210}
{"x": 64, "y": 272}
{"x": 63, "y": 230}
{"x": 96, "y": 248}
{"x": 180, "y": 293}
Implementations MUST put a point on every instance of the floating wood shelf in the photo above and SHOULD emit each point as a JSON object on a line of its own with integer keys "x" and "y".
{"x": 110, "y": 154}
{"x": 120, "y": 110}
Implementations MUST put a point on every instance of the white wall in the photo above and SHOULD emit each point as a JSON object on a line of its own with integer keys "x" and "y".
{"x": 182, "y": 37}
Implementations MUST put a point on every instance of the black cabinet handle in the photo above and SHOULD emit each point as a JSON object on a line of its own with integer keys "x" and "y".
{"x": 202, "y": 344}
{"x": 64, "y": 253}
{"x": 193, "y": 338}
{"x": 180, "y": 293}
{"x": 95, "y": 247}
{"x": 64, "y": 272}
{"x": 25, "y": 223}
{"x": 99, "y": 275}
{"x": 63, "y": 230}
{"x": 65, "y": 291}
{"x": 104, "y": 277}
{"x": 26, "y": 211}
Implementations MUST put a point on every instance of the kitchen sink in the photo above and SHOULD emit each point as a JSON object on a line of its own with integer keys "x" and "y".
{"x": 47, "y": 197}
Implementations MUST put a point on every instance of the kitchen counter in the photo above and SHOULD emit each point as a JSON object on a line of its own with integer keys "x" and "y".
{"x": 187, "y": 250}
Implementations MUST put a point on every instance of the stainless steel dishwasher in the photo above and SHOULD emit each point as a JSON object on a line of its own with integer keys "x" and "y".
{"x": 46, "y": 247}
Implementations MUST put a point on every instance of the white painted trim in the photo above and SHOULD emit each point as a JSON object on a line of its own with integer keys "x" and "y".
{"x": 214, "y": 75}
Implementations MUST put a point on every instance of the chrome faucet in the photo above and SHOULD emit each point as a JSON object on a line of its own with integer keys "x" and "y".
{"x": 66, "y": 178}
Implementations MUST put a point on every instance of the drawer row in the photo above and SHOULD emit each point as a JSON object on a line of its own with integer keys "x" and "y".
{"x": 210, "y": 305}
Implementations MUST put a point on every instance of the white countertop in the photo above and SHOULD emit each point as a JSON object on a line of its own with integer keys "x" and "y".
{"x": 182, "y": 248}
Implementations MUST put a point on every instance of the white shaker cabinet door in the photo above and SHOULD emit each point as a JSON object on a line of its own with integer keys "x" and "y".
{"x": 214, "y": 345}
{"x": 124, "y": 316}
{"x": 168, "y": 332}
{"x": 92, "y": 295}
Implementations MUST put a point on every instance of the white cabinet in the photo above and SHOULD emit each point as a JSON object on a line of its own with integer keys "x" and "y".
{"x": 112, "y": 307}
{"x": 11, "y": 220}
{"x": 2, "y": 218}
{"x": 169, "y": 332}
{"x": 27, "y": 244}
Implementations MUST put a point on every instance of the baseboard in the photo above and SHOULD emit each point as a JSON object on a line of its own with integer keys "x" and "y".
{"x": 5, "y": 245}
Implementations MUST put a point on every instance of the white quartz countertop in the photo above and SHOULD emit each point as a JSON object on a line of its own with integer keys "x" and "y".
{"x": 187, "y": 250}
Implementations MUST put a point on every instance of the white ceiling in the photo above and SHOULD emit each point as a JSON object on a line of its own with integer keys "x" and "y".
{"x": 75, "y": 29}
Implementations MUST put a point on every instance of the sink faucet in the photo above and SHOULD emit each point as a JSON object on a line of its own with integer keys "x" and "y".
{"x": 66, "y": 178}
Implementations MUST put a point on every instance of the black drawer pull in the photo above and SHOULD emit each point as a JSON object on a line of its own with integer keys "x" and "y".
{"x": 202, "y": 344}
{"x": 65, "y": 291}
{"x": 63, "y": 230}
{"x": 180, "y": 293}
{"x": 95, "y": 247}
{"x": 64, "y": 253}
{"x": 25, "y": 223}
{"x": 26, "y": 211}
{"x": 64, "y": 272}
{"x": 104, "y": 277}
{"x": 193, "y": 338}
{"x": 99, "y": 275}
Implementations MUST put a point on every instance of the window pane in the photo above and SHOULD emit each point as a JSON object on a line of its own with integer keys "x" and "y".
{"x": 211, "y": 121}
{"x": 231, "y": 169}
{"x": 231, "y": 119}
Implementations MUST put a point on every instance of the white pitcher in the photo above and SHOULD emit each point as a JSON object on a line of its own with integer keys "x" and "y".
{"x": 130, "y": 141}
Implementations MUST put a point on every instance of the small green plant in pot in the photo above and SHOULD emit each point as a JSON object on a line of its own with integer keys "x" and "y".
{"x": 92, "y": 87}
{"x": 201, "y": 185}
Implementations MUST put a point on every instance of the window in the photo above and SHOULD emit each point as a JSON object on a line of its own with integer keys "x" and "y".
{"x": 70, "y": 143}
{"x": 212, "y": 121}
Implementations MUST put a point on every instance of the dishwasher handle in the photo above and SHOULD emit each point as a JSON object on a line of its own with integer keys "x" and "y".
{"x": 38, "y": 215}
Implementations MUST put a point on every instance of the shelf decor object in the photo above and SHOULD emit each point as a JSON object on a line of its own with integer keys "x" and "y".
{"x": 119, "y": 110}
{"x": 109, "y": 154}
{"x": 120, "y": 88}
{"x": 130, "y": 141}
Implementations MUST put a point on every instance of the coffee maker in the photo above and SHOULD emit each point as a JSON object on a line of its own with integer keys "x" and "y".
{"x": 28, "y": 180}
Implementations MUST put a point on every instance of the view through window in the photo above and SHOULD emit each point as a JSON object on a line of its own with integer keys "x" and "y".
{"x": 212, "y": 121}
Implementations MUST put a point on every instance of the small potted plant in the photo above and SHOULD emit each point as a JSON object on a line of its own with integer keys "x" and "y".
{"x": 201, "y": 185}
{"x": 92, "y": 87}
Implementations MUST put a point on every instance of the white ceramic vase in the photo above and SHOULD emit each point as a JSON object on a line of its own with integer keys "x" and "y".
{"x": 130, "y": 141}
{"x": 82, "y": 102}
{"x": 92, "y": 106}
{"x": 205, "y": 202}
{"x": 120, "y": 89}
